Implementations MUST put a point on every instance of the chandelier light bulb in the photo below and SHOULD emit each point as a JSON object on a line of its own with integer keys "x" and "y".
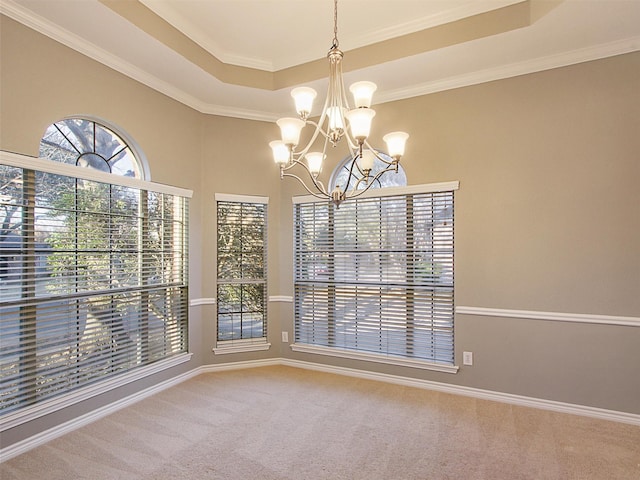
{"x": 314, "y": 161}
{"x": 290, "y": 129}
{"x": 337, "y": 124}
{"x": 303, "y": 97}
{"x": 360, "y": 122}
{"x": 362, "y": 93}
{"x": 336, "y": 121}
{"x": 366, "y": 160}
{"x": 280, "y": 152}
{"x": 395, "y": 143}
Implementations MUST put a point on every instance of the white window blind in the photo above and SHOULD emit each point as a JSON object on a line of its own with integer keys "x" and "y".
{"x": 242, "y": 269}
{"x": 376, "y": 275}
{"x": 93, "y": 278}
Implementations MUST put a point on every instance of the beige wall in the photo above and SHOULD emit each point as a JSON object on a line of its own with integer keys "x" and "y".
{"x": 547, "y": 219}
{"x": 547, "y": 215}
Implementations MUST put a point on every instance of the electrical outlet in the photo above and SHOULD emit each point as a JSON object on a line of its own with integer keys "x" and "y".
{"x": 285, "y": 337}
{"x": 467, "y": 358}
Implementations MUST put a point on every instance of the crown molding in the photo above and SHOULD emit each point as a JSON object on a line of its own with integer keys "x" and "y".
{"x": 376, "y": 36}
{"x": 63, "y": 36}
{"x": 201, "y": 38}
{"x": 49, "y": 29}
{"x": 540, "y": 64}
{"x": 458, "y": 13}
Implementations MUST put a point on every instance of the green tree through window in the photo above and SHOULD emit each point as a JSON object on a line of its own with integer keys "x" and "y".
{"x": 242, "y": 284}
{"x": 93, "y": 264}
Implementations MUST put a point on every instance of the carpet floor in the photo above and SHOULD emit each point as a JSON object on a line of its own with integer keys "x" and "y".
{"x": 291, "y": 424}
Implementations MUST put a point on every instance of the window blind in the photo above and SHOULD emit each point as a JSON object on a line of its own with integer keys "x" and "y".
{"x": 93, "y": 279}
{"x": 242, "y": 268}
{"x": 376, "y": 275}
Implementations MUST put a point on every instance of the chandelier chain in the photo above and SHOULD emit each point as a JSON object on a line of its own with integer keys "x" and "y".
{"x": 337, "y": 122}
{"x": 335, "y": 24}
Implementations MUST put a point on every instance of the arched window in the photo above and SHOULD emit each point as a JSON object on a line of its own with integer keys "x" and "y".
{"x": 87, "y": 143}
{"x": 93, "y": 268}
{"x": 343, "y": 176}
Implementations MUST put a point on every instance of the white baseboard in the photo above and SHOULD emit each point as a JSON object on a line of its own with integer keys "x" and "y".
{"x": 561, "y": 407}
{"x": 55, "y": 404}
{"x": 542, "y": 404}
{"x": 67, "y": 427}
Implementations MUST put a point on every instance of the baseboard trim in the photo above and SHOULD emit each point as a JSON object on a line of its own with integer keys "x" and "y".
{"x": 55, "y": 404}
{"x": 67, "y": 427}
{"x": 223, "y": 367}
{"x": 560, "y": 407}
{"x": 520, "y": 400}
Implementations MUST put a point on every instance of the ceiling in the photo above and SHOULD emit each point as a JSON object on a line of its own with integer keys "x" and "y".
{"x": 241, "y": 58}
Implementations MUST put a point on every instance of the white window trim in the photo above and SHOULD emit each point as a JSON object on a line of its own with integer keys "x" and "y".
{"x": 249, "y": 344}
{"x": 378, "y": 357}
{"x": 389, "y": 191}
{"x": 45, "y": 165}
{"x": 56, "y": 403}
{"x": 241, "y": 346}
{"x": 230, "y": 197}
{"x": 372, "y": 357}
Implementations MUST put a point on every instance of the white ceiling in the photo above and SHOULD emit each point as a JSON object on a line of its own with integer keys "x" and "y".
{"x": 275, "y": 34}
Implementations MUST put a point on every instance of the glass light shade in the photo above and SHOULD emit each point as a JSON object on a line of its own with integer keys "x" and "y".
{"x": 360, "y": 122}
{"x": 290, "y": 129}
{"x": 366, "y": 160}
{"x": 314, "y": 161}
{"x": 303, "y": 97}
{"x": 335, "y": 119}
{"x": 362, "y": 93}
{"x": 395, "y": 143}
{"x": 280, "y": 152}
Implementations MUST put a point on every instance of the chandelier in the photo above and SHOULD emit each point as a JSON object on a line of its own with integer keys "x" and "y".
{"x": 337, "y": 122}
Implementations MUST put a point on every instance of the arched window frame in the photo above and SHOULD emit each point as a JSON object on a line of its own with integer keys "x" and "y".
{"x": 389, "y": 179}
{"x": 77, "y": 140}
{"x": 130, "y": 239}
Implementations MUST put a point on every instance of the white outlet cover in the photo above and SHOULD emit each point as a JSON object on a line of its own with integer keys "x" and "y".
{"x": 467, "y": 358}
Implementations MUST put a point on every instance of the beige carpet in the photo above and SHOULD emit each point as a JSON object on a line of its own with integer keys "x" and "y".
{"x": 287, "y": 423}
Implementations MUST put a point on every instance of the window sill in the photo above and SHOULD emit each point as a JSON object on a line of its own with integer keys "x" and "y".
{"x": 371, "y": 357}
{"x": 224, "y": 348}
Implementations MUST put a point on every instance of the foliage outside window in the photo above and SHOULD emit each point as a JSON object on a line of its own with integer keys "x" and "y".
{"x": 94, "y": 274}
{"x": 376, "y": 275}
{"x": 242, "y": 272}
{"x": 342, "y": 175}
{"x": 85, "y": 143}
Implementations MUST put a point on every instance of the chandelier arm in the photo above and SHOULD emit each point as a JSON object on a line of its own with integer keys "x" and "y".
{"x": 332, "y": 125}
{"x": 356, "y": 193}
{"x": 317, "y": 183}
{"x": 318, "y": 130}
{"x": 323, "y": 195}
{"x": 351, "y": 174}
{"x": 376, "y": 153}
{"x": 360, "y": 180}
{"x": 373, "y": 180}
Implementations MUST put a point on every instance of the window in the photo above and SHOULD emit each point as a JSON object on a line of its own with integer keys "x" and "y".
{"x": 86, "y": 143}
{"x": 93, "y": 271}
{"x": 242, "y": 270}
{"x": 343, "y": 177}
{"x": 376, "y": 274}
